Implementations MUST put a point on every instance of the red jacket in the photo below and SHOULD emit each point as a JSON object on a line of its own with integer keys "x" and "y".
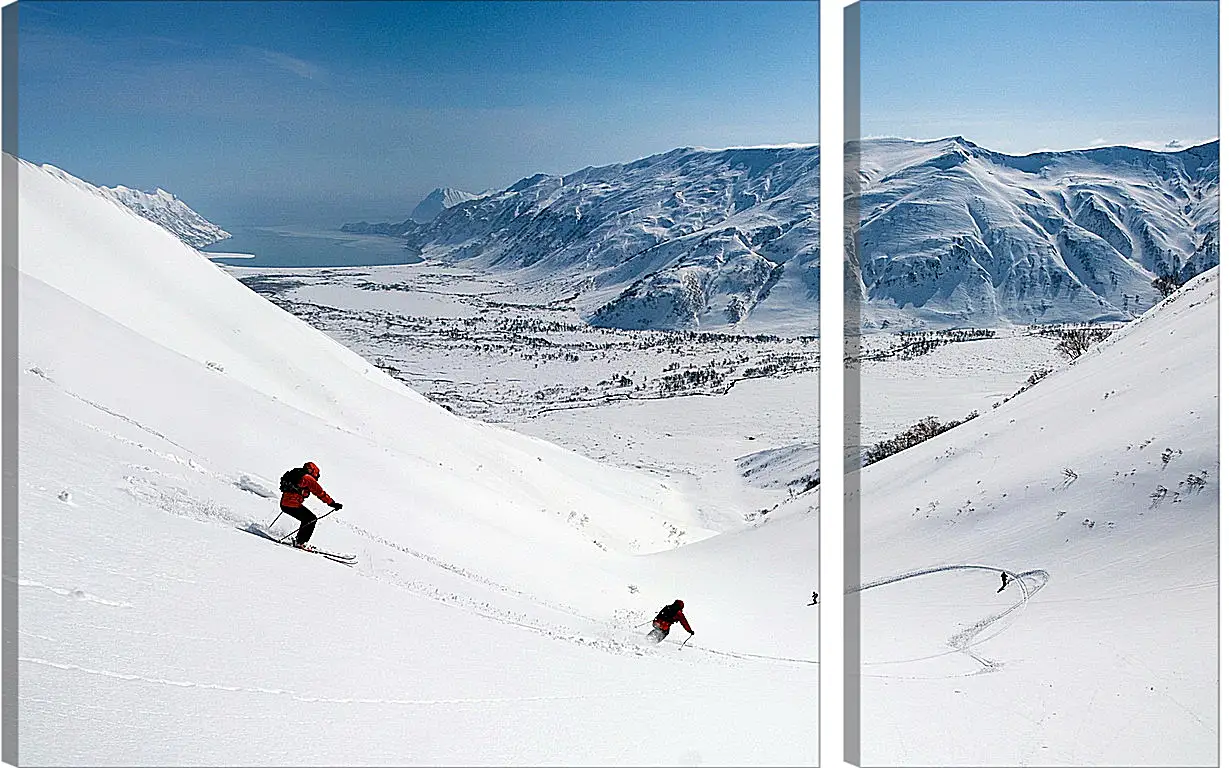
{"x": 664, "y": 625}
{"x": 307, "y": 487}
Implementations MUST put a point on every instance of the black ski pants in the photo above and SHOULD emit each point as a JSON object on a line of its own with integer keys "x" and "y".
{"x": 307, "y": 522}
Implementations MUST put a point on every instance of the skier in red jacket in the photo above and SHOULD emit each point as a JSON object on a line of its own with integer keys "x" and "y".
{"x": 292, "y": 503}
{"x": 665, "y": 617}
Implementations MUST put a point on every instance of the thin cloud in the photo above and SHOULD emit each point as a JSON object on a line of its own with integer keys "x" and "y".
{"x": 291, "y": 64}
{"x": 902, "y": 137}
{"x": 918, "y": 139}
{"x": 1168, "y": 146}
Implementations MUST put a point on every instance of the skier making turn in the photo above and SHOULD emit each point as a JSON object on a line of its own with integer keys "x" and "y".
{"x": 665, "y": 617}
{"x": 296, "y": 486}
{"x": 1004, "y": 583}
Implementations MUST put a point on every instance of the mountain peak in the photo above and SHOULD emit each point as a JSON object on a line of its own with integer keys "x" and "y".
{"x": 437, "y": 201}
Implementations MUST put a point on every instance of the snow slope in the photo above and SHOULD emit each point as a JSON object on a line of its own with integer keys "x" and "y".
{"x": 490, "y": 619}
{"x": 953, "y": 234}
{"x": 159, "y": 206}
{"x": 691, "y": 238}
{"x": 1099, "y": 488}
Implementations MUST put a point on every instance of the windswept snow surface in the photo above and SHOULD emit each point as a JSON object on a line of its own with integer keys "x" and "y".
{"x": 1098, "y": 489}
{"x": 490, "y": 618}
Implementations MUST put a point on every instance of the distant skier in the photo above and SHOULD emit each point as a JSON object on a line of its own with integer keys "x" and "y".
{"x": 814, "y": 599}
{"x": 665, "y": 617}
{"x": 1004, "y": 583}
{"x": 297, "y": 485}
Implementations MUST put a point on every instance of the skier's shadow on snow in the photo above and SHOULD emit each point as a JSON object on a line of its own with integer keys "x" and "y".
{"x": 258, "y": 530}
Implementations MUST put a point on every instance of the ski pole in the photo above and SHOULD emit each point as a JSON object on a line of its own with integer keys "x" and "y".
{"x": 300, "y": 526}
{"x": 688, "y": 640}
{"x": 296, "y": 530}
{"x": 279, "y": 517}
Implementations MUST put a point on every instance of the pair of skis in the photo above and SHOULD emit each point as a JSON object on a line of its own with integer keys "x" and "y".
{"x": 337, "y": 557}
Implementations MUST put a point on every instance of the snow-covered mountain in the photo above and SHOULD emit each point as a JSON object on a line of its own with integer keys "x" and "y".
{"x": 159, "y": 206}
{"x": 439, "y": 199}
{"x": 952, "y": 234}
{"x": 692, "y": 238}
{"x": 1096, "y": 492}
{"x": 491, "y": 618}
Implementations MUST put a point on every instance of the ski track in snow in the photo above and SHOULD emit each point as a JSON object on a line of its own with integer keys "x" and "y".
{"x": 150, "y": 488}
{"x": 611, "y": 644}
{"x": 973, "y": 634}
{"x": 78, "y": 594}
{"x": 313, "y": 699}
{"x": 750, "y": 656}
{"x": 631, "y": 646}
{"x": 175, "y": 500}
{"x": 180, "y": 503}
{"x": 36, "y": 371}
{"x": 488, "y": 611}
{"x": 171, "y": 457}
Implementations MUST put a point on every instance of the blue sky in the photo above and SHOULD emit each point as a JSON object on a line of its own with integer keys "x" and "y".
{"x": 1018, "y": 77}
{"x": 263, "y": 112}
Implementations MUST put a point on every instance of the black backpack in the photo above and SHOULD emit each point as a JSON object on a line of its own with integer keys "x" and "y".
{"x": 669, "y": 614}
{"x": 291, "y": 480}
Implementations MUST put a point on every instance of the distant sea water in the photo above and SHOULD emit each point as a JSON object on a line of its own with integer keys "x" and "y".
{"x": 300, "y": 246}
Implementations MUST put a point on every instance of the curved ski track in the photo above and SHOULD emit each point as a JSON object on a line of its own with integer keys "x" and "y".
{"x": 1028, "y": 583}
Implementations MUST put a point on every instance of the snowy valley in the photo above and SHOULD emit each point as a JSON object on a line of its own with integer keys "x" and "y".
{"x": 492, "y": 616}
{"x": 500, "y": 317}
{"x": 507, "y": 353}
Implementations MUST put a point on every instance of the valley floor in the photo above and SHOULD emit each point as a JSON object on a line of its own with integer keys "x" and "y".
{"x": 731, "y": 420}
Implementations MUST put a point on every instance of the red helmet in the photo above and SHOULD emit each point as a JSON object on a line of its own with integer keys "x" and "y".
{"x": 312, "y": 469}
{"x": 679, "y": 604}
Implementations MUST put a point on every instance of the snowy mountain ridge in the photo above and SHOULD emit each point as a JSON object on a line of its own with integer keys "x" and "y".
{"x": 952, "y": 234}
{"x": 160, "y": 207}
{"x": 688, "y": 239}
